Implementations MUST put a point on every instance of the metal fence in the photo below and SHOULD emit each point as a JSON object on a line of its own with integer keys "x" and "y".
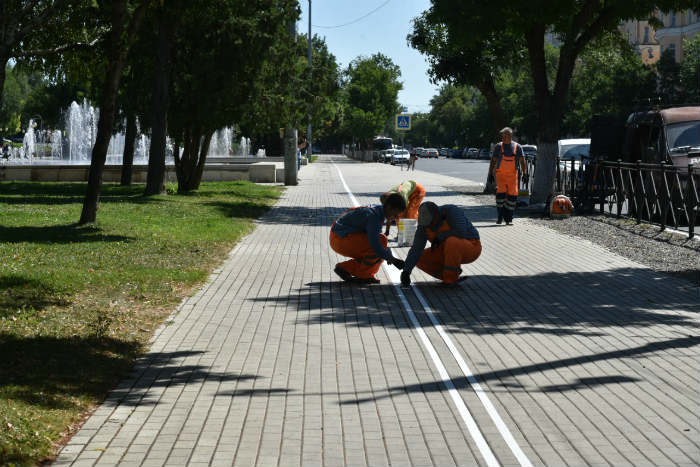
{"x": 661, "y": 194}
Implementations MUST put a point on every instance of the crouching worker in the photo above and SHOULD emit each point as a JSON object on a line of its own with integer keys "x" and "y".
{"x": 413, "y": 193}
{"x": 358, "y": 235}
{"x": 453, "y": 241}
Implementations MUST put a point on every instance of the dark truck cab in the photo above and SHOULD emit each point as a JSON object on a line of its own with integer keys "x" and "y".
{"x": 671, "y": 136}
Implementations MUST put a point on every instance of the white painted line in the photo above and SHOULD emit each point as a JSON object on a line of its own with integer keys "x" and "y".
{"x": 469, "y": 421}
{"x": 493, "y": 413}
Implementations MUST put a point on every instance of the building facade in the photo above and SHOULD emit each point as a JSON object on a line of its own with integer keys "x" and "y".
{"x": 651, "y": 43}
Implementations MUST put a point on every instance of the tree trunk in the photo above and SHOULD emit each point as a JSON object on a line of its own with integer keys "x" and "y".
{"x": 3, "y": 63}
{"x": 117, "y": 58}
{"x": 155, "y": 180}
{"x": 129, "y": 143}
{"x": 493, "y": 102}
{"x": 104, "y": 134}
{"x": 190, "y": 167}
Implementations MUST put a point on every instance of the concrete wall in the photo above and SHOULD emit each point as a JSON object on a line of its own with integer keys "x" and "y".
{"x": 112, "y": 173}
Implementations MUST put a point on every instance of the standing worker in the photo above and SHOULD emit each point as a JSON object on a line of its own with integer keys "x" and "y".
{"x": 507, "y": 157}
{"x": 358, "y": 234}
{"x": 412, "y": 193}
{"x": 453, "y": 241}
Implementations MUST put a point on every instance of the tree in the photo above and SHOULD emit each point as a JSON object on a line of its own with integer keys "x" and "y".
{"x": 219, "y": 50}
{"x": 16, "y": 90}
{"x": 470, "y": 26}
{"x": 125, "y": 19}
{"x": 271, "y": 95}
{"x": 32, "y": 29}
{"x": 690, "y": 70}
{"x": 669, "y": 72}
{"x": 609, "y": 79}
{"x": 371, "y": 89}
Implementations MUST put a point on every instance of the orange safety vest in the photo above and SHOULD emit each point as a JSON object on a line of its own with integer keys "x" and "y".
{"x": 510, "y": 165}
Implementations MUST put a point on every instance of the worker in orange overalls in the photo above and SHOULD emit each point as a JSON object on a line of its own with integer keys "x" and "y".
{"x": 453, "y": 241}
{"x": 413, "y": 193}
{"x": 358, "y": 234}
{"x": 507, "y": 157}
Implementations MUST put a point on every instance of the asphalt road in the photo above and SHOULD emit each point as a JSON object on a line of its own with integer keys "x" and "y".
{"x": 468, "y": 169}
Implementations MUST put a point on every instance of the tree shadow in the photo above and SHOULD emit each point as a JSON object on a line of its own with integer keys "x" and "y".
{"x": 61, "y": 193}
{"x": 66, "y": 233}
{"x": 578, "y": 383}
{"x": 572, "y": 303}
{"x": 56, "y": 371}
{"x": 240, "y": 209}
{"x": 303, "y": 216}
{"x": 24, "y": 293}
{"x": 167, "y": 369}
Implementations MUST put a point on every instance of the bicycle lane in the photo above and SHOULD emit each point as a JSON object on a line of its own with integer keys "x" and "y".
{"x": 549, "y": 337}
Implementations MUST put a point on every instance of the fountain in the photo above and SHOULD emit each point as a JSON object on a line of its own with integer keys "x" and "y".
{"x": 64, "y": 154}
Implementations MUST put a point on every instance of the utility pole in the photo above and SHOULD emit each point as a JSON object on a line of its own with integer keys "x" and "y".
{"x": 290, "y": 133}
{"x": 309, "y": 141}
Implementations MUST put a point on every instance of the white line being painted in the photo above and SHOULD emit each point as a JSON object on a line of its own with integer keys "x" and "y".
{"x": 469, "y": 421}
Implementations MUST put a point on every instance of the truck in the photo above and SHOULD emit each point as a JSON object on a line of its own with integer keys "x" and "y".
{"x": 670, "y": 136}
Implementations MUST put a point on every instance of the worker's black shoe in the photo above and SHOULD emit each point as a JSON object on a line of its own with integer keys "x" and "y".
{"x": 366, "y": 280}
{"x": 499, "y": 221}
{"x": 343, "y": 274}
{"x": 462, "y": 278}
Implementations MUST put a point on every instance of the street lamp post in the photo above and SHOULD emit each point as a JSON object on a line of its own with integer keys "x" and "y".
{"x": 308, "y": 127}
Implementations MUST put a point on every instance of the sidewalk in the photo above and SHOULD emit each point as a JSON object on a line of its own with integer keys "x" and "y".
{"x": 586, "y": 358}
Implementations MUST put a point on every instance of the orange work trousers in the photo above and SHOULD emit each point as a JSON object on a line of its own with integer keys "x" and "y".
{"x": 507, "y": 182}
{"x": 414, "y": 200}
{"x": 364, "y": 263}
{"x": 443, "y": 262}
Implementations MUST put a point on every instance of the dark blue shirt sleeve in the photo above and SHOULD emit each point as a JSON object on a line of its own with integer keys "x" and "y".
{"x": 374, "y": 228}
{"x": 419, "y": 242}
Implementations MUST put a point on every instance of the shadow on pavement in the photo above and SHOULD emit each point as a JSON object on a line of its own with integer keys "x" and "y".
{"x": 324, "y": 216}
{"x": 463, "y": 382}
{"x": 551, "y": 303}
{"x": 587, "y": 305}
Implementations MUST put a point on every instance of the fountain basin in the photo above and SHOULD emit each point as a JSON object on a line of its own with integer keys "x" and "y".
{"x": 112, "y": 173}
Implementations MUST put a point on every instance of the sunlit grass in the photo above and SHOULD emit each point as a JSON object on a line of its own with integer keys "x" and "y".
{"x": 79, "y": 303}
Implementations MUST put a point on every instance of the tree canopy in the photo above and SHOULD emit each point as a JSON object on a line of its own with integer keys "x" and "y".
{"x": 371, "y": 87}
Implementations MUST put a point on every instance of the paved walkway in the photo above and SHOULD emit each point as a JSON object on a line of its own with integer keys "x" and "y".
{"x": 555, "y": 352}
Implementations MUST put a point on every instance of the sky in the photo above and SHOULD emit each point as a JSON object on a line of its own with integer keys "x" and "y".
{"x": 383, "y": 31}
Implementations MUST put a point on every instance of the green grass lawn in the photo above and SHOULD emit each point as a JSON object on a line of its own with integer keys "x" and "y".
{"x": 79, "y": 303}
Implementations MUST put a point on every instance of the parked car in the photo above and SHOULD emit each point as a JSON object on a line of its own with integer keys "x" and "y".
{"x": 444, "y": 151}
{"x": 400, "y": 156}
{"x": 431, "y": 153}
{"x": 385, "y": 155}
{"x": 454, "y": 153}
{"x": 573, "y": 152}
{"x": 471, "y": 153}
{"x": 484, "y": 154}
{"x": 418, "y": 151}
{"x": 530, "y": 151}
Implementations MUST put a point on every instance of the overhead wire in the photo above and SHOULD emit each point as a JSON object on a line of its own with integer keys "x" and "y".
{"x": 353, "y": 21}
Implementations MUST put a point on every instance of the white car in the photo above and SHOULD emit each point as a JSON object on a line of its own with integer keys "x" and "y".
{"x": 576, "y": 150}
{"x": 385, "y": 155}
{"x": 400, "y": 156}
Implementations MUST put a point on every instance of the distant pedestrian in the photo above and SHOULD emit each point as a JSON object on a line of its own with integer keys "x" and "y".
{"x": 412, "y": 161}
{"x": 358, "y": 234}
{"x": 453, "y": 241}
{"x": 506, "y": 159}
{"x": 413, "y": 193}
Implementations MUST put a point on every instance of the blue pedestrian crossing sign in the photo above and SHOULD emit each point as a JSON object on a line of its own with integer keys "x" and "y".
{"x": 403, "y": 122}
